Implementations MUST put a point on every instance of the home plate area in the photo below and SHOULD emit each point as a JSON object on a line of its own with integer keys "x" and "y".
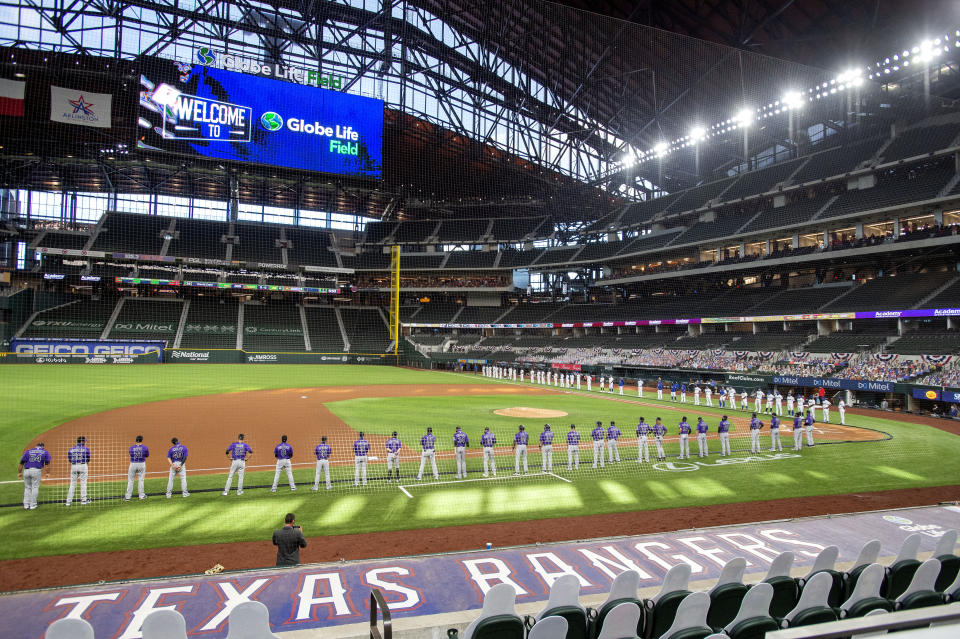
{"x": 429, "y": 594}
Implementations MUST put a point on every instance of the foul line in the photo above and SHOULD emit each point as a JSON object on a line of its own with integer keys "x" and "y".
{"x": 404, "y": 490}
{"x": 494, "y": 478}
{"x": 559, "y": 477}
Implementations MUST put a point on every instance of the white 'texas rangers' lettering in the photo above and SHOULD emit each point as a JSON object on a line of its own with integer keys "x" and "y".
{"x": 537, "y": 560}
{"x": 336, "y": 598}
{"x": 750, "y": 544}
{"x": 148, "y": 605}
{"x": 772, "y": 535}
{"x": 500, "y": 574}
{"x": 644, "y": 546}
{"x": 411, "y": 598}
{"x": 233, "y": 599}
{"x": 82, "y": 603}
{"x": 612, "y": 567}
{"x": 713, "y": 554}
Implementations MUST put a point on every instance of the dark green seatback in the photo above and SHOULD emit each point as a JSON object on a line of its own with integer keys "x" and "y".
{"x": 755, "y": 628}
{"x": 837, "y": 588}
{"x": 725, "y": 604}
{"x": 898, "y": 578}
{"x": 922, "y": 599}
{"x": 851, "y": 582}
{"x": 870, "y": 604}
{"x": 810, "y": 616}
{"x": 500, "y": 627}
{"x": 664, "y": 612}
{"x": 576, "y": 617}
{"x": 691, "y": 633}
{"x": 786, "y": 593}
{"x": 949, "y": 567}
{"x": 605, "y": 610}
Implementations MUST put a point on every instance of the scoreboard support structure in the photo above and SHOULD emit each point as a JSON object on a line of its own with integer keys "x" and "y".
{"x": 395, "y": 297}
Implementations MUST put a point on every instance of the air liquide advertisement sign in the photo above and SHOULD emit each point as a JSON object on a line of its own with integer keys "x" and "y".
{"x": 210, "y": 112}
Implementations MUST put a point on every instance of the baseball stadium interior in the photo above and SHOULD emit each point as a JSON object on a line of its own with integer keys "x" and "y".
{"x": 753, "y": 198}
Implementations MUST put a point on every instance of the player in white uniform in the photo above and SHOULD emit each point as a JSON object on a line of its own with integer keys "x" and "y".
{"x": 779, "y": 400}
{"x": 708, "y": 393}
{"x": 769, "y": 408}
{"x": 758, "y": 405}
{"x": 842, "y": 407}
{"x": 639, "y": 388}
{"x": 696, "y": 395}
{"x": 825, "y": 405}
{"x": 744, "y": 401}
{"x": 790, "y": 401}
{"x": 589, "y": 383}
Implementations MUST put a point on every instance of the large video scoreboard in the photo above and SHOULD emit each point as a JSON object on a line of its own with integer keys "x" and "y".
{"x": 209, "y": 112}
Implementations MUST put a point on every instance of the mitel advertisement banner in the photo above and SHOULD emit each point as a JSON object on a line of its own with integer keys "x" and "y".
{"x": 834, "y": 384}
{"x": 209, "y": 112}
{"x": 84, "y": 347}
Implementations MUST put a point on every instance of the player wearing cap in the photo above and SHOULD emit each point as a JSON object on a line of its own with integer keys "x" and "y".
{"x": 284, "y": 453}
{"x": 755, "y": 426}
{"x": 684, "y": 429}
{"x": 487, "y": 441}
{"x": 238, "y": 452}
{"x": 322, "y": 452}
{"x": 32, "y": 464}
{"x": 696, "y": 394}
{"x": 79, "y": 458}
{"x": 797, "y": 431}
{"x": 643, "y": 436}
{"x": 546, "y": 449}
{"x": 460, "y": 444}
{"x": 428, "y": 450}
{"x": 659, "y": 388}
{"x": 659, "y": 430}
{"x": 360, "y": 449}
{"x": 598, "y": 434}
{"x": 825, "y": 406}
{"x": 808, "y": 422}
{"x": 520, "y": 441}
{"x": 393, "y": 446}
{"x": 137, "y": 468}
{"x": 724, "y": 429}
{"x": 613, "y": 447}
{"x": 573, "y": 448}
{"x": 842, "y": 407}
{"x": 775, "y": 444}
{"x": 702, "y": 428}
{"x": 790, "y": 400}
{"x": 177, "y": 458}
{"x": 708, "y": 394}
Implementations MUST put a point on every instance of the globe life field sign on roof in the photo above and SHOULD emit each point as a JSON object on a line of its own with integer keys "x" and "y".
{"x": 209, "y": 112}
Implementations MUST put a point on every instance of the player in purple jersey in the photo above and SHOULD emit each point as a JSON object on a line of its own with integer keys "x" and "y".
{"x": 487, "y": 441}
{"x": 137, "y": 468}
{"x": 238, "y": 452}
{"x": 520, "y": 441}
{"x": 284, "y": 454}
{"x": 460, "y": 444}
{"x": 573, "y": 448}
{"x": 428, "y": 450}
{"x": 177, "y": 458}
{"x": 598, "y": 434}
{"x": 808, "y": 422}
{"x": 659, "y": 430}
{"x": 322, "y": 452}
{"x": 613, "y": 446}
{"x": 33, "y": 462}
{"x": 797, "y": 431}
{"x": 775, "y": 444}
{"x": 755, "y": 426}
{"x": 724, "y": 429}
{"x": 684, "y": 429}
{"x": 79, "y": 458}
{"x": 643, "y": 441}
{"x": 360, "y": 449}
{"x": 393, "y": 446}
{"x": 546, "y": 449}
{"x": 702, "y": 449}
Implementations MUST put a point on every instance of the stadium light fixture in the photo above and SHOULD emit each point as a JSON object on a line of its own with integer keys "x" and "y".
{"x": 792, "y": 100}
{"x": 744, "y": 117}
{"x": 661, "y": 149}
{"x": 697, "y": 134}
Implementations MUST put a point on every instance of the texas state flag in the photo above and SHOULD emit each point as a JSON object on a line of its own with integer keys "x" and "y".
{"x": 11, "y": 97}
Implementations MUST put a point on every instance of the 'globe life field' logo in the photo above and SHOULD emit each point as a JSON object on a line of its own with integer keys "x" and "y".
{"x": 271, "y": 121}
{"x": 205, "y": 56}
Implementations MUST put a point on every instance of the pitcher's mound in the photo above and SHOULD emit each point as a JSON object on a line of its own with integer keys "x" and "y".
{"x": 526, "y": 411}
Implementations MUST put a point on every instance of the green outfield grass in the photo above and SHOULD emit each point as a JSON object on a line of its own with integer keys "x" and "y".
{"x": 41, "y": 397}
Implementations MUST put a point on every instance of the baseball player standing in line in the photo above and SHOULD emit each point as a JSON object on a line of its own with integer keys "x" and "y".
{"x": 322, "y": 452}
{"x": 758, "y": 405}
{"x": 779, "y": 399}
{"x": 639, "y": 387}
{"x": 659, "y": 430}
{"x": 598, "y": 434}
{"x": 643, "y": 447}
{"x": 589, "y": 382}
{"x": 487, "y": 441}
{"x": 137, "y": 468}
{"x": 683, "y": 393}
{"x": 673, "y": 391}
{"x": 393, "y": 446}
{"x": 79, "y": 458}
{"x": 546, "y": 449}
{"x": 621, "y": 386}
{"x": 520, "y": 441}
{"x": 702, "y": 449}
{"x": 460, "y": 444}
{"x": 684, "y": 438}
{"x": 696, "y": 395}
{"x": 755, "y": 426}
{"x": 284, "y": 453}
{"x": 842, "y": 407}
{"x": 722, "y": 400}
{"x": 797, "y": 432}
{"x": 659, "y": 388}
{"x": 601, "y": 383}
{"x": 578, "y": 380}
{"x": 237, "y": 451}
{"x": 361, "y": 448}
{"x": 613, "y": 447}
{"x": 573, "y": 448}
{"x": 177, "y": 457}
{"x": 428, "y": 446}
{"x": 808, "y": 423}
{"x": 709, "y": 395}
{"x": 724, "y": 429}
{"x": 775, "y": 444}
{"x": 825, "y": 405}
{"x": 744, "y": 400}
{"x": 800, "y": 403}
{"x": 769, "y": 409}
{"x": 32, "y": 463}
{"x": 790, "y": 400}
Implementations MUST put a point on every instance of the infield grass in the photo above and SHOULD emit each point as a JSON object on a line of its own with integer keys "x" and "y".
{"x": 40, "y": 397}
